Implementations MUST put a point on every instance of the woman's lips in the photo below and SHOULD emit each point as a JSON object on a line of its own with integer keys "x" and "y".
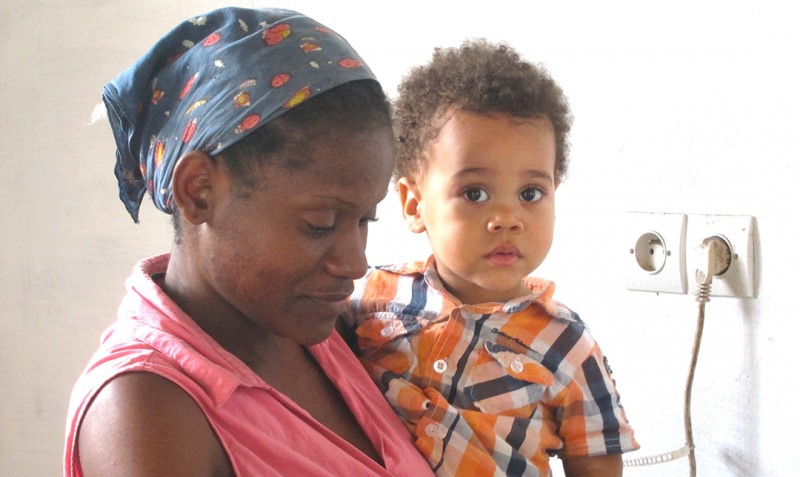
{"x": 333, "y": 303}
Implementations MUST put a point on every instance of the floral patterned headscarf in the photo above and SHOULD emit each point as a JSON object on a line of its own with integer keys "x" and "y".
{"x": 211, "y": 81}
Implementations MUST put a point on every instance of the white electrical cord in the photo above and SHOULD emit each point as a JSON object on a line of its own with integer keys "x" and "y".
{"x": 657, "y": 459}
{"x": 717, "y": 253}
{"x": 687, "y": 395}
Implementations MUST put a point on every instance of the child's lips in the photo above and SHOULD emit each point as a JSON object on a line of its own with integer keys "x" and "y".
{"x": 505, "y": 255}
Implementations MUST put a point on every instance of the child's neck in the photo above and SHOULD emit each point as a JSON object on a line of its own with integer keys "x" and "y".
{"x": 481, "y": 295}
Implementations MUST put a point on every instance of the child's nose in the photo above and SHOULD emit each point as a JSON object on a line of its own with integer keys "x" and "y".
{"x": 505, "y": 219}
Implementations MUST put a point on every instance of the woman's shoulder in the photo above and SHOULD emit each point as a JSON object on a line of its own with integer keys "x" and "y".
{"x": 144, "y": 424}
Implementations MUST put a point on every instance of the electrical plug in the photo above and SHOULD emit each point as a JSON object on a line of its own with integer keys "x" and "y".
{"x": 716, "y": 259}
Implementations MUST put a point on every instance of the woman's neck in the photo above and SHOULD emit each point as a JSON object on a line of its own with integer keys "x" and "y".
{"x": 185, "y": 284}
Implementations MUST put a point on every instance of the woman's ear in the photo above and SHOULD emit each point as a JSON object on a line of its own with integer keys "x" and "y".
{"x": 193, "y": 185}
{"x": 411, "y": 201}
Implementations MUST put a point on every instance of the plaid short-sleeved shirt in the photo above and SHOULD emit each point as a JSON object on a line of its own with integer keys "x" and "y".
{"x": 487, "y": 389}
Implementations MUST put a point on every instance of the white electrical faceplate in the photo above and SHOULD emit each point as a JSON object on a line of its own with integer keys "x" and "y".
{"x": 655, "y": 250}
{"x": 738, "y": 231}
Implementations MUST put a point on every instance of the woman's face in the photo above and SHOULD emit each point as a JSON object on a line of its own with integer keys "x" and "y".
{"x": 284, "y": 255}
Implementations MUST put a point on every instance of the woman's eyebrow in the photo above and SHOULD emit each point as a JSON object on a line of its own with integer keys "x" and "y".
{"x": 317, "y": 201}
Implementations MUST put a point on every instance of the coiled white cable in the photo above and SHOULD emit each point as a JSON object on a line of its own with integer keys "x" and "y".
{"x": 657, "y": 459}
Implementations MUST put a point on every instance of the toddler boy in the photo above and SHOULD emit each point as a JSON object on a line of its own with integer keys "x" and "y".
{"x": 489, "y": 373}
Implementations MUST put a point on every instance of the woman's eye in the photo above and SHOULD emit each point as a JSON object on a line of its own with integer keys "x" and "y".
{"x": 476, "y": 195}
{"x": 531, "y": 194}
{"x": 318, "y": 231}
{"x": 367, "y": 220}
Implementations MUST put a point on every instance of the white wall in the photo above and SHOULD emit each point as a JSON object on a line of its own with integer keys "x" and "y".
{"x": 682, "y": 107}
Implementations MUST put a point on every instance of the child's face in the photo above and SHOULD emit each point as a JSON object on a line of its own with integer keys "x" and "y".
{"x": 486, "y": 199}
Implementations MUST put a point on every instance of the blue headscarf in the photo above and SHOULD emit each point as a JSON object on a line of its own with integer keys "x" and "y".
{"x": 211, "y": 81}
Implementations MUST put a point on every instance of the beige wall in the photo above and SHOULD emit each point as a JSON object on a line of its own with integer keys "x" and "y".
{"x": 690, "y": 108}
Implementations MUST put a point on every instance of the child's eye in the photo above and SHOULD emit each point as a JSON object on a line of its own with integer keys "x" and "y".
{"x": 531, "y": 194}
{"x": 476, "y": 194}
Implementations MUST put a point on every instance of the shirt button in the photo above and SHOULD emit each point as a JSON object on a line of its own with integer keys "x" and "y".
{"x": 440, "y": 366}
{"x": 517, "y": 366}
{"x": 387, "y": 331}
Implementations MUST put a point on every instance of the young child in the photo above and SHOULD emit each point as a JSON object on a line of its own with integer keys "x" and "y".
{"x": 489, "y": 373}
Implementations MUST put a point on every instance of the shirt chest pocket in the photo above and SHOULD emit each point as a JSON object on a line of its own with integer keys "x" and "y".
{"x": 507, "y": 383}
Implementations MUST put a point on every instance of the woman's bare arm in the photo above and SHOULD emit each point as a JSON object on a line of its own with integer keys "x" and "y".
{"x": 141, "y": 424}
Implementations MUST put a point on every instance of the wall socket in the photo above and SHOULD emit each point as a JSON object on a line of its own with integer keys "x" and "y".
{"x": 662, "y": 249}
{"x": 655, "y": 245}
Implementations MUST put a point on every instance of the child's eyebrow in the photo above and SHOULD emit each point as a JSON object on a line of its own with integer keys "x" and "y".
{"x": 479, "y": 171}
{"x": 535, "y": 173}
{"x": 483, "y": 171}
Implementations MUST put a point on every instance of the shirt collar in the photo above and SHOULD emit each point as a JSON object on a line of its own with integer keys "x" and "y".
{"x": 165, "y": 327}
{"x": 541, "y": 291}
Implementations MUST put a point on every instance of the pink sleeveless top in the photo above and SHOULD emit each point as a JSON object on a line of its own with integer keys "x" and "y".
{"x": 263, "y": 432}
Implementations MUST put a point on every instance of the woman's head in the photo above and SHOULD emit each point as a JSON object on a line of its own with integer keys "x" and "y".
{"x": 211, "y": 82}
{"x": 271, "y": 142}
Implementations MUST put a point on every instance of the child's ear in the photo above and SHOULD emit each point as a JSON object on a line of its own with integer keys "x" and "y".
{"x": 411, "y": 201}
{"x": 194, "y": 182}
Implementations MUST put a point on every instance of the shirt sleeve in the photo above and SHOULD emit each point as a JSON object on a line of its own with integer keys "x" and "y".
{"x": 591, "y": 418}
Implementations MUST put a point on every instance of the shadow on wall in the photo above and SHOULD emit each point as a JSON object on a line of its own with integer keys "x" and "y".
{"x": 742, "y": 457}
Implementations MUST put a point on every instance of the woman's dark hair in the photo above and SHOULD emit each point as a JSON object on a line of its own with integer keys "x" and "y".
{"x": 477, "y": 77}
{"x": 353, "y": 106}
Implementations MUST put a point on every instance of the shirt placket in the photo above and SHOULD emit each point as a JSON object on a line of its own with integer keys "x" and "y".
{"x": 440, "y": 365}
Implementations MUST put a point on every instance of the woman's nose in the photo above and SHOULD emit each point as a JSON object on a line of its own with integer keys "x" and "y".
{"x": 348, "y": 259}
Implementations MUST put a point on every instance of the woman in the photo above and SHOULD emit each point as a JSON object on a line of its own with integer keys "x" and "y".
{"x": 269, "y": 141}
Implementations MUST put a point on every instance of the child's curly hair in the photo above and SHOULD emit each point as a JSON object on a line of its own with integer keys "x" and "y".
{"x": 477, "y": 77}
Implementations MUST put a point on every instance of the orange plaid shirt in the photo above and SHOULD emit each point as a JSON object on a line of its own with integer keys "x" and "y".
{"x": 487, "y": 389}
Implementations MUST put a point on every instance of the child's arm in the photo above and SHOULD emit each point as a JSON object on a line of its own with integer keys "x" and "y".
{"x": 598, "y": 466}
{"x": 604, "y": 430}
